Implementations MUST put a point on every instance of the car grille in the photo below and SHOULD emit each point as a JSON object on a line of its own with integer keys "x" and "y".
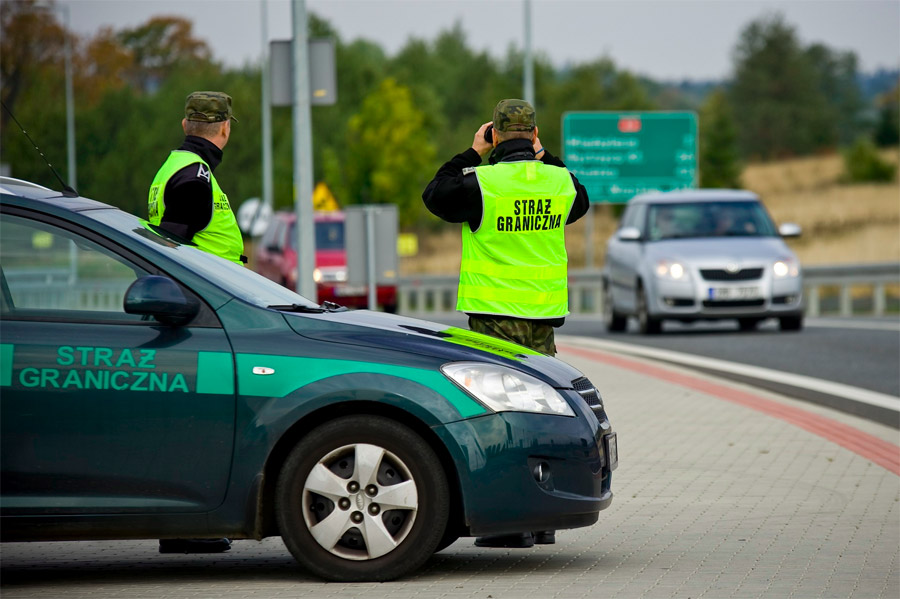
{"x": 755, "y": 303}
{"x": 588, "y": 392}
{"x": 719, "y": 274}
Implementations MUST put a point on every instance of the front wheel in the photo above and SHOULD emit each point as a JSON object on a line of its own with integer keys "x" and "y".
{"x": 648, "y": 325}
{"x": 362, "y": 498}
{"x": 790, "y": 323}
{"x": 615, "y": 322}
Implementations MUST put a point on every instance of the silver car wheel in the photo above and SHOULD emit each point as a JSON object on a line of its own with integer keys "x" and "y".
{"x": 360, "y": 502}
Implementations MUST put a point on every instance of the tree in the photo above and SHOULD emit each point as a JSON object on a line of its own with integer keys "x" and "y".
{"x": 837, "y": 82}
{"x": 389, "y": 161}
{"x": 719, "y": 157}
{"x": 776, "y": 92}
{"x": 887, "y": 130}
{"x": 32, "y": 43}
{"x": 158, "y": 46}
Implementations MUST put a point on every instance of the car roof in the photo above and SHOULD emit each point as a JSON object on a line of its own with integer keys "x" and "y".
{"x": 695, "y": 195}
{"x": 26, "y": 190}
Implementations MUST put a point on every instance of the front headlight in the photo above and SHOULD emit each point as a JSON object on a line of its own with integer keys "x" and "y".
{"x": 669, "y": 269}
{"x": 786, "y": 267}
{"x": 503, "y": 389}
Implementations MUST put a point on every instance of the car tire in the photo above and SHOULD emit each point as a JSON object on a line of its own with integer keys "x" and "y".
{"x": 614, "y": 321}
{"x": 647, "y": 324}
{"x": 791, "y": 323}
{"x": 327, "y": 500}
{"x": 748, "y": 324}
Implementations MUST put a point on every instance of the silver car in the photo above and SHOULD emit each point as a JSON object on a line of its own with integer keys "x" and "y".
{"x": 701, "y": 254}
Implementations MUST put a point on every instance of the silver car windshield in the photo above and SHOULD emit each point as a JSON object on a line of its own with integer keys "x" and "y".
{"x": 235, "y": 279}
{"x": 708, "y": 219}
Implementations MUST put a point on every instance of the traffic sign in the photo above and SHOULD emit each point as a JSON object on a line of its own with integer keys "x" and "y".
{"x": 617, "y": 155}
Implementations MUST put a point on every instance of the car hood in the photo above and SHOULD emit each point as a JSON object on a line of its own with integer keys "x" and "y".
{"x": 381, "y": 331}
{"x": 753, "y": 251}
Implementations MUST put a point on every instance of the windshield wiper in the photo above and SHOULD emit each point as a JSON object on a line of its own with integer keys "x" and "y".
{"x": 303, "y": 308}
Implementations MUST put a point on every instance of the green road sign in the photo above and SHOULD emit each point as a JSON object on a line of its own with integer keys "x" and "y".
{"x": 617, "y": 155}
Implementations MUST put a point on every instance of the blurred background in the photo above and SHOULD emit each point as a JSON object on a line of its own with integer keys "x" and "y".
{"x": 797, "y": 101}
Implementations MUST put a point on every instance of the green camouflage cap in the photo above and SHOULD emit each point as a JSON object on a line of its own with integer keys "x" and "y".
{"x": 208, "y": 107}
{"x": 513, "y": 115}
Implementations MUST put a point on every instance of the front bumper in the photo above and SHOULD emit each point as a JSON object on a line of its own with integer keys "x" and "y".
{"x": 524, "y": 472}
{"x": 699, "y": 298}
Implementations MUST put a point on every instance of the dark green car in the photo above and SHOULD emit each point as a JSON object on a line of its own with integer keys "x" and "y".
{"x": 151, "y": 390}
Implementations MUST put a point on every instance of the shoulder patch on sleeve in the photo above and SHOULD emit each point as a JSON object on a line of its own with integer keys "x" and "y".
{"x": 468, "y": 170}
{"x": 203, "y": 172}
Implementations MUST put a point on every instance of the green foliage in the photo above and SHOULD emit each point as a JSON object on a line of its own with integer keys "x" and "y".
{"x": 388, "y": 159}
{"x": 396, "y": 119}
{"x": 719, "y": 158}
{"x": 775, "y": 93}
{"x": 887, "y": 131}
{"x": 791, "y": 100}
{"x": 862, "y": 164}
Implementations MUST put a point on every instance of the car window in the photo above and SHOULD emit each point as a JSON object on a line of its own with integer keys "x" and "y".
{"x": 52, "y": 272}
{"x": 634, "y": 216}
{"x": 268, "y": 237}
{"x": 708, "y": 219}
{"x": 330, "y": 235}
{"x": 233, "y": 278}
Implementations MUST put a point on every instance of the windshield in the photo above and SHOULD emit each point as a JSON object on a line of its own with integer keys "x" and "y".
{"x": 708, "y": 219}
{"x": 329, "y": 235}
{"x": 237, "y": 280}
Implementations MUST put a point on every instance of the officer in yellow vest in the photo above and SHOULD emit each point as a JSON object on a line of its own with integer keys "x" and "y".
{"x": 512, "y": 282}
{"x": 185, "y": 199}
{"x": 513, "y": 272}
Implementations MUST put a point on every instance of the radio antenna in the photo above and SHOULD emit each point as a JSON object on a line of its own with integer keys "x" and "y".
{"x": 67, "y": 190}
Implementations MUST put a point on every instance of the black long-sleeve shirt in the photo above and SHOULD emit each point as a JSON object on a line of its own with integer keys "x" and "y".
{"x": 456, "y": 198}
{"x": 188, "y": 194}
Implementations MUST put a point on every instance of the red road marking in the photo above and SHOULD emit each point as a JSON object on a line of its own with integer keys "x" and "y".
{"x": 872, "y": 448}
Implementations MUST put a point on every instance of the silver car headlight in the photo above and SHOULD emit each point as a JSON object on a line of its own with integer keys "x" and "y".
{"x": 786, "y": 267}
{"x": 503, "y": 389}
{"x": 670, "y": 269}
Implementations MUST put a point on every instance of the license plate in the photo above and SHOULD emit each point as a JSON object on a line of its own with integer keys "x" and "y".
{"x": 734, "y": 293}
{"x": 612, "y": 451}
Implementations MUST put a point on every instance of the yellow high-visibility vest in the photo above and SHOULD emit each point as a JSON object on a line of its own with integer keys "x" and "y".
{"x": 221, "y": 236}
{"x": 515, "y": 264}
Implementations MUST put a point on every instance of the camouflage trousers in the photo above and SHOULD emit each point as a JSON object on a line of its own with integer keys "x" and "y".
{"x": 530, "y": 333}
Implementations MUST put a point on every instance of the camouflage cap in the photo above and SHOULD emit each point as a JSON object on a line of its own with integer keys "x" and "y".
{"x": 208, "y": 107}
{"x": 513, "y": 115}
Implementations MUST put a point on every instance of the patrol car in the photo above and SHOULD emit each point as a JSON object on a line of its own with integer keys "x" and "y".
{"x": 152, "y": 390}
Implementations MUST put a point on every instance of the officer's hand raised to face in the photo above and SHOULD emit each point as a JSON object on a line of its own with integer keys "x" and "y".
{"x": 480, "y": 144}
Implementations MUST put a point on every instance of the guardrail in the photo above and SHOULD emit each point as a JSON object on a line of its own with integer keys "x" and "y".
{"x": 845, "y": 290}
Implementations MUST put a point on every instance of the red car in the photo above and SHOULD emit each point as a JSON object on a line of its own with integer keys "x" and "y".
{"x": 276, "y": 259}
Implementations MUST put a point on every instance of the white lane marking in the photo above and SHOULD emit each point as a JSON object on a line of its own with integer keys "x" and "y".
{"x": 872, "y": 398}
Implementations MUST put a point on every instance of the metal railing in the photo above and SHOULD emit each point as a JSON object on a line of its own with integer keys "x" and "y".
{"x": 845, "y": 290}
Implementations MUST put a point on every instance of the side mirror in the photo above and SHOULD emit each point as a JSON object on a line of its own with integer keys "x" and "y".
{"x": 161, "y": 298}
{"x": 789, "y": 230}
{"x": 629, "y": 234}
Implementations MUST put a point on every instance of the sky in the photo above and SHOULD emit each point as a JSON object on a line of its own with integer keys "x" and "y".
{"x": 662, "y": 39}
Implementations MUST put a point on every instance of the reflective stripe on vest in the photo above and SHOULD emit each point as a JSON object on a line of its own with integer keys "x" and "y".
{"x": 221, "y": 236}
{"x": 515, "y": 264}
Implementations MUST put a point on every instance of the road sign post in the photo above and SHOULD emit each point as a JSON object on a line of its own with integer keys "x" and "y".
{"x": 617, "y": 155}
